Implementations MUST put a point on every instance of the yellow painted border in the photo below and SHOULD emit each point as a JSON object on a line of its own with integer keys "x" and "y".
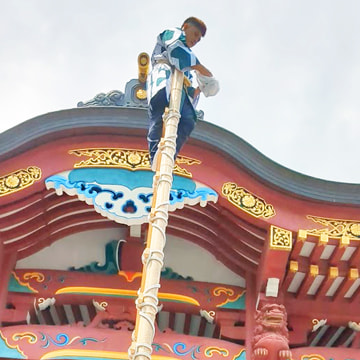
{"x": 123, "y": 293}
{"x": 95, "y": 354}
{"x": 229, "y": 301}
{"x": 312, "y": 357}
{"x": 130, "y": 277}
{"x": 23, "y": 283}
{"x": 16, "y": 347}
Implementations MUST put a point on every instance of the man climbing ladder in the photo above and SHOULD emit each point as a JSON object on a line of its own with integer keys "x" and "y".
{"x": 173, "y": 51}
{"x": 167, "y": 149}
{"x": 147, "y": 302}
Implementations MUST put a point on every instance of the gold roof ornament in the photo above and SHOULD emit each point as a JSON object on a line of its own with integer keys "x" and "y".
{"x": 143, "y": 65}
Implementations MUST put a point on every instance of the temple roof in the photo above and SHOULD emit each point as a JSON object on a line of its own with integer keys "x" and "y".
{"x": 262, "y": 221}
{"x": 98, "y": 120}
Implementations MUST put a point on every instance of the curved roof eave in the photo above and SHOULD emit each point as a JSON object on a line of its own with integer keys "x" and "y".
{"x": 85, "y": 120}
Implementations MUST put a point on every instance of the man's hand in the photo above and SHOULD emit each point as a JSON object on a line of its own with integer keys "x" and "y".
{"x": 202, "y": 70}
{"x": 197, "y": 92}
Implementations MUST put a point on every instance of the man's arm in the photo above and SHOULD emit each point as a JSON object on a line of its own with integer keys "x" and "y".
{"x": 202, "y": 70}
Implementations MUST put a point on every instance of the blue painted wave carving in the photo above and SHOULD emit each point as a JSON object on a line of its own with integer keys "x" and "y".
{"x": 128, "y": 205}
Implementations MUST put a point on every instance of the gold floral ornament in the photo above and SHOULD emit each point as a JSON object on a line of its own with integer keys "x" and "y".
{"x": 355, "y": 229}
{"x": 211, "y": 350}
{"x": 37, "y": 276}
{"x": 280, "y": 239}
{"x": 222, "y": 290}
{"x": 336, "y": 228}
{"x": 246, "y": 201}
{"x": 19, "y": 180}
{"x": 30, "y": 337}
{"x": 131, "y": 159}
{"x": 312, "y": 357}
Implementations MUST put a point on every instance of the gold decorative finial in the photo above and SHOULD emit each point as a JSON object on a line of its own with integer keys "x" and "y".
{"x": 143, "y": 64}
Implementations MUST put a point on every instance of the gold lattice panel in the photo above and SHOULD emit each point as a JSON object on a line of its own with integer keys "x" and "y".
{"x": 280, "y": 239}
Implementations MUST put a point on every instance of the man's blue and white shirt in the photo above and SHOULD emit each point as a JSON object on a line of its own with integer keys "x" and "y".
{"x": 170, "y": 51}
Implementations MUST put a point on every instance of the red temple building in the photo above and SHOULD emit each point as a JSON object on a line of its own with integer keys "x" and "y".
{"x": 261, "y": 262}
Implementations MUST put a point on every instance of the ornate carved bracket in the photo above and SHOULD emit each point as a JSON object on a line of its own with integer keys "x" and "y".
{"x": 19, "y": 180}
{"x": 131, "y": 159}
{"x": 247, "y": 201}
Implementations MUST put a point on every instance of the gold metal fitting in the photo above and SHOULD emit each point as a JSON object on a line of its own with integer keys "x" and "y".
{"x": 302, "y": 235}
{"x": 143, "y": 65}
{"x": 324, "y": 239}
{"x": 141, "y": 94}
{"x": 314, "y": 270}
{"x": 294, "y": 266}
{"x": 353, "y": 274}
{"x": 333, "y": 272}
{"x": 345, "y": 240}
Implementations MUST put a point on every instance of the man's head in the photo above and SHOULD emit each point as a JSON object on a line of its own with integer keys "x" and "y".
{"x": 194, "y": 29}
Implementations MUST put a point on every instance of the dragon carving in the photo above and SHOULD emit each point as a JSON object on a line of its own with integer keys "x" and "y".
{"x": 270, "y": 341}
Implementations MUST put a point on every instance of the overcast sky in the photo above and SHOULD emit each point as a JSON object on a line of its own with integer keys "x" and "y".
{"x": 289, "y": 69}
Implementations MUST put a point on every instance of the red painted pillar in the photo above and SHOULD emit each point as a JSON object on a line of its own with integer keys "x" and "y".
{"x": 131, "y": 254}
{"x": 251, "y": 299}
{"x": 7, "y": 264}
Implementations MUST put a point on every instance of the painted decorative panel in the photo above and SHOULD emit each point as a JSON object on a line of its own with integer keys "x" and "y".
{"x": 125, "y": 196}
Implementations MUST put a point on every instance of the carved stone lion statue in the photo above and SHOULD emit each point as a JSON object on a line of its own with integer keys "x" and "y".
{"x": 270, "y": 340}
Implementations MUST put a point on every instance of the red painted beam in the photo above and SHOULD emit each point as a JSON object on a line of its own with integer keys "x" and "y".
{"x": 314, "y": 257}
{"x": 7, "y": 264}
{"x": 297, "y": 246}
{"x": 351, "y": 277}
{"x": 219, "y": 247}
{"x": 355, "y": 258}
{"x": 238, "y": 266}
{"x": 336, "y": 312}
{"x": 36, "y": 246}
{"x": 289, "y": 276}
{"x": 273, "y": 265}
{"x": 307, "y": 282}
{"x": 332, "y": 275}
{"x": 337, "y": 255}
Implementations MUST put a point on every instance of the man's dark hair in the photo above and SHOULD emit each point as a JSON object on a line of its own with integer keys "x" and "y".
{"x": 196, "y": 22}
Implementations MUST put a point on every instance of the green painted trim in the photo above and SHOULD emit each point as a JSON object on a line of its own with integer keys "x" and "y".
{"x": 15, "y": 286}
